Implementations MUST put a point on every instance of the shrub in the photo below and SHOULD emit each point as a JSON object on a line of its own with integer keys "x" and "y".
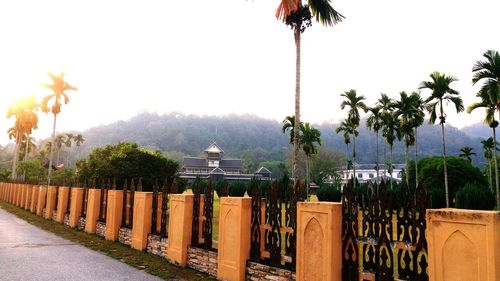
{"x": 330, "y": 193}
{"x": 475, "y": 197}
{"x": 237, "y": 189}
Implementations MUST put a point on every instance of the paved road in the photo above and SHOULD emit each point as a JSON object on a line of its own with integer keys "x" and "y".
{"x": 28, "y": 253}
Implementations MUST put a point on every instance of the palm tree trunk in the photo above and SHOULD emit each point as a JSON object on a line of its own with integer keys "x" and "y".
{"x": 16, "y": 155}
{"x": 407, "y": 174}
{"x": 385, "y": 160}
{"x": 296, "y": 144}
{"x": 416, "y": 159}
{"x": 445, "y": 168}
{"x": 491, "y": 177}
{"x": 496, "y": 164}
{"x": 354, "y": 160}
{"x": 377, "y": 157}
{"x": 390, "y": 167}
{"x": 52, "y": 149}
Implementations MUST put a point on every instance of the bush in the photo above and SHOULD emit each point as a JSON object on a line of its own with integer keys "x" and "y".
{"x": 474, "y": 197}
{"x": 63, "y": 177}
{"x": 330, "y": 193}
{"x": 438, "y": 198}
{"x": 237, "y": 188}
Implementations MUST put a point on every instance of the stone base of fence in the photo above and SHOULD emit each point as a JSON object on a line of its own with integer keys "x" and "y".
{"x": 43, "y": 212}
{"x": 202, "y": 260}
{"x": 257, "y": 271}
{"x": 157, "y": 245}
{"x": 54, "y": 215}
{"x": 125, "y": 236}
{"x": 66, "y": 219}
{"x": 100, "y": 229}
{"x": 81, "y": 223}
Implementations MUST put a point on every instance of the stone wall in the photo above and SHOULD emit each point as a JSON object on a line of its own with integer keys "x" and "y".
{"x": 81, "y": 223}
{"x": 125, "y": 236}
{"x": 157, "y": 245}
{"x": 100, "y": 229}
{"x": 43, "y": 213}
{"x": 257, "y": 271}
{"x": 66, "y": 219}
{"x": 202, "y": 260}
{"x": 54, "y": 215}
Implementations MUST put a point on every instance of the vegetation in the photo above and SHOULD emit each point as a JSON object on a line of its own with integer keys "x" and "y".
{"x": 330, "y": 193}
{"x": 238, "y": 188}
{"x": 474, "y": 197}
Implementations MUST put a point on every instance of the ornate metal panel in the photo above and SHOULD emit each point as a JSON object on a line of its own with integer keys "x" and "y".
{"x": 196, "y": 214}
{"x": 131, "y": 207}
{"x": 350, "y": 255}
{"x": 164, "y": 206}
{"x": 154, "y": 216}
{"x": 208, "y": 208}
{"x": 273, "y": 235}
{"x": 124, "y": 204}
{"x": 256, "y": 221}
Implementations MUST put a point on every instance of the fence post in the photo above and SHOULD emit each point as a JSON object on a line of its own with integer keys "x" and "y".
{"x": 463, "y": 244}
{"x": 42, "y": 197}
{"x": 180, "y": 227}
{"x": 75, "y": 208}
{"x": 51, "y": 202}
{"x": 114, "y": 214}
{"x": 34, "y": 198}
{"x": 142, "y": 219}
{"x": 94, "y": 198}
{"x": 319, "y": 241}
{"x": 234, "y": 237}
{"x": 27, "y": 199}
{"x": 62, "y": 203}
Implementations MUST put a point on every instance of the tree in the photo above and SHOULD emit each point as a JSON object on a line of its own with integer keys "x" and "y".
{"x": 488, "y": 146}
{"x": 348, "y": 130}
{"x": 374, "y": 122}
{"x": 60, "y": 140}
{"x": 79, "y": 140}
{"x": 441, "y": 92}
{"x": 488, "y": 72}
{"x": 386, "y": 105}
{"x": 466, "y": 152}
{"x": 391, "y": 131}
{"x": 309, "y": 138}
{"x": 68, "y": 142}
{"x": 28, "y": 145}
{"x": 57, "y": 97}
{"x": 298, "y": 17}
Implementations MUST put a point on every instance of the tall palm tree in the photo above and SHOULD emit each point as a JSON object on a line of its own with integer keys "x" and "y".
{"x": 488, "y": 72}
{"x": 418, "y": 120}
{"x": 60, "y": 139}
{"x": 386, "y": 105}
{"x": 374, "y": 122}
{"x": 355, "y": 103}
{"x": 441, "y": 93}
{"x": 467, "y": 153}
{"x": 488, "y": 146}
{"x": 28, "y": 143}
{"x": 79, "y": 140}
{"x": 309, "y": 138}
{"x": 298, "y": 17}
{"x": 391, "y": 131}
{"x": 289, "y": 126}
{"x": 348, "y": 129}
{"x": 58, "y": 96}
{"x": 68, "y": 142}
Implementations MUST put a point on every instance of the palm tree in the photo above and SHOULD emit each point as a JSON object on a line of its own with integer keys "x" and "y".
{"x": 309, "y": 138}
{"x": 60, "y": 140}
{"x": 488, "y": 146}
{"x": 467, "y": 152}
{"x": 386, "y": 105}
{"x": 374, "y": 122}
{"x": 59, "y": 88}
{"x": 298, "y": 17}
{"x": 441, "y": 92}
{"x": 489, "y": 72}
{"x": 349, "y": 130}
{"x": 68, "y": 142}
{"x": 289, "y": 125}
{"x": 78, "y": 142}
{"x": 418, "y": 120}
{"x": 391, "y": 131}
{"x": 28, "y": 143}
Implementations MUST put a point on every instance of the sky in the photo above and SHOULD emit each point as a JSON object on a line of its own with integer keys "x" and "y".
{"x": 233, "y": 56}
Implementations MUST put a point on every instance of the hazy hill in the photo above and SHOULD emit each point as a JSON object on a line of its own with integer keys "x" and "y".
{"x": 478, "y": 130}
{"x": 254, "y": 138}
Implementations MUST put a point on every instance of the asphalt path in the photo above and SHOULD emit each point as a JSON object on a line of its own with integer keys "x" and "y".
{"x": 31, "y": 254}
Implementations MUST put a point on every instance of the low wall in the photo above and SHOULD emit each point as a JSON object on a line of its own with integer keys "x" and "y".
{"x": 125, "y": 236}
{"x": 81, "y": 223}
{"x": 66, "y": 219}
{"x": 157, "y": 245}
{"x": 100, "y": 228}
{"x": 256, "y": 271}
{"x": 202, "y": 260}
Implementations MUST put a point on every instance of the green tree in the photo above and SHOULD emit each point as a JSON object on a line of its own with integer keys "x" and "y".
{"x": 309, "y": 138}
{"x": 467, "y": 152}
{"x": 325, "y": 164}
{"x": 57, "y": 97}
{"x": 441, "y": 92}
{"x": 32, "y": 170}
{"x": 386, "y": 106}
{"x": 488, "y": 72}
{"x": 374, "y": 122}
{"x": 391, "y": 131}
{"x": 348, "y": 130}
{"x": 488, "y": 146}
{"x": 298, "y": 17}
{"x": 79, "y": 140}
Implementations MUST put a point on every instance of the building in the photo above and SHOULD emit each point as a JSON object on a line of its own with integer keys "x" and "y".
{"x": 367, "y": 172}
{"x": 214, "y": 167}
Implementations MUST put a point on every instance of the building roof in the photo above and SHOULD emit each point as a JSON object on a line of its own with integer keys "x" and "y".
{"x": 217, "y": 171}
{"x": 214, "y": 148}
{"x": 231, "y": 163}
{"x": 194, "y": 162}
{"x": 372, "y": 167}
{"x": 263, "y": 170}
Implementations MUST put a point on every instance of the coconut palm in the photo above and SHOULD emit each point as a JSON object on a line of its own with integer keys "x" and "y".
{"x": 488, "y": 72}
{"x": 418, "y": 120}
{"x": 298, "y": 16}
{"x": 28, "y": 144}
{"x": 310, "y": 136}
{"x": 348, "y": 130}
{"x": 488, "y": 146}
{"x": 374, "y": 122}
{"x": 467, "y": 153}
{"x": 289, "y": 126}
{"x": 386, "y": 106}
{"x": 390, "y": 131}
{"x": 57, "y": 97}
{"x": 441, "y": 93}
{"x": 79, "y": 140}
{"x": 60, "y": 140}
{"x": 68, "y": 142}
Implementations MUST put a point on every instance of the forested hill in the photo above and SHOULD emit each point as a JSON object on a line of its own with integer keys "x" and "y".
{"x": 254, "y": 138}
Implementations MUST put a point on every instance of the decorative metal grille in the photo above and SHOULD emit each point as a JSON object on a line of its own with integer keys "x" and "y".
{"x": 154, "y": 216}
{"x": 196, "y": 213}
{"x": 131, "y": 205}
{"x": 208, "y": 208}
{"x": 124, "y": 204}
{"x": 164, "y": 206}
{"x": 256, "y": 221}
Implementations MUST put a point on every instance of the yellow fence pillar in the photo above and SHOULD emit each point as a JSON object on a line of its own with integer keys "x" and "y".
{"x": 319, "y": 241}
{"x": 234, "y": 237}
{"x": 34, "y": 198}
{"x": 23, "y": 195}
{"x": 180, "y": 227}
{"x": 463, "y": 245}
{"x": 93, "y": 205}
{"x": 142, "y": 219}
{"x": 18, "y": 194}
{"x": 62, "y": 203}
{"x": 114, "y": 214}
{"x": 42, "y": 197}
{"x": 27, "y": 199}
{"x": 75, "y": 208}
{"x": 51, "y": 202}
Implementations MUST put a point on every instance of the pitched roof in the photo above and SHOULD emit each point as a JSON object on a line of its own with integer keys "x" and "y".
{"x": 231, "y": 163}
{"x": 194, "y": 162}
{"x": 263, "y": 170}
{"x": 214, "y": 148}
{"x": 217, "y": 171}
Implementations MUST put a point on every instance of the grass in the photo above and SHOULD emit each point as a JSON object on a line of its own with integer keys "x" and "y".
{"x": 143, "y": 261}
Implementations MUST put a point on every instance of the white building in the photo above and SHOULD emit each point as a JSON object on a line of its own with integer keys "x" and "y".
{"x": 367, "y": 172}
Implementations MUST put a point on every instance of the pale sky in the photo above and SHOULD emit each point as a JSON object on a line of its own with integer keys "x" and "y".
{"x": 233, "y": 56}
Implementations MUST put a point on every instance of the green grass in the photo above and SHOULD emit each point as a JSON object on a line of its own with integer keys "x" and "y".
{"x": 148, "y": 262}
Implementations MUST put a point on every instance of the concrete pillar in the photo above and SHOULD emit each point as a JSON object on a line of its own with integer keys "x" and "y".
{"x": 75, "y": 209}
{"x": 62, "y": 203}
{"x": 319, "y": 241}
{"x": 42, "y": 197}
{"x": 180, "y": 227}
{"x": 234, "y": 237}
{"x": 142, "y": 219}
{"x": 27, "y": 199}
{"x": 114, "y": 214}
{"x": 22, "y": 198}
{"x": 463, "y": 245}
{"x": 17, "y": 199}
{"x": 51, "y": 202}
{"x": 34, "y": 198}
{"x": 93, "y": 205}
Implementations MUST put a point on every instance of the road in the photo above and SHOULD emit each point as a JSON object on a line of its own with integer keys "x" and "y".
{"x": 31, "y": 254}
